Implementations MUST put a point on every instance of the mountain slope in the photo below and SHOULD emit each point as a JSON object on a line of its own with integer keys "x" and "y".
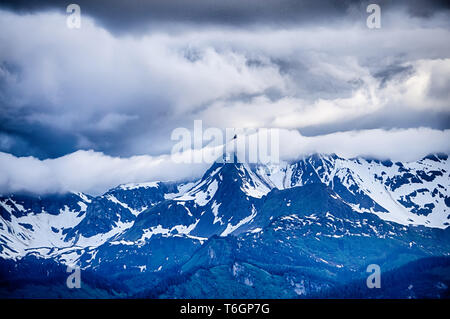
{"x": 407, "y": 193}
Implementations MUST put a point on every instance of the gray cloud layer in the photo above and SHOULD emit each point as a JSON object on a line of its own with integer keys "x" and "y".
{"x": 132, "y": 15}
{"x": 62, "y": 90}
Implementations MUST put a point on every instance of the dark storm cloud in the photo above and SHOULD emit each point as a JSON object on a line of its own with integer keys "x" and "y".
{"x": 391, "y": 72}
{"x": 401, "y": 119}
{"x": 132, "y": 15}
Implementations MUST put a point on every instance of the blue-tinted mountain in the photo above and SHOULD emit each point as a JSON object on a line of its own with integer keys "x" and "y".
{"x": 290, "y": 230}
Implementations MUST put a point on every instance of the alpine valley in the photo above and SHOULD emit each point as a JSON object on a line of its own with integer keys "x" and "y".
{"x": 304, "y": 229}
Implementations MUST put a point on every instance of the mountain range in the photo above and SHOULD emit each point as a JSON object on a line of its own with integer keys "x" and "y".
{"x": 300, "y": 229}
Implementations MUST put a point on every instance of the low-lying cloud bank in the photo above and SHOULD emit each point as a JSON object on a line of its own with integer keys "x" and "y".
{"x": 94, "y": 172}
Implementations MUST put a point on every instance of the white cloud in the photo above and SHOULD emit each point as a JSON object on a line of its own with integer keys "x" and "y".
{"x": 425, "y": 89}
{"x": 397, "y": 145}
{"x": 94, "y": 172}
{"x": 87, "y": 171}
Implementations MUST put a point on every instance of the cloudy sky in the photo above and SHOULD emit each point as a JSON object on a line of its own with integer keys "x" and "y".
{"x": 85, "y": 109}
